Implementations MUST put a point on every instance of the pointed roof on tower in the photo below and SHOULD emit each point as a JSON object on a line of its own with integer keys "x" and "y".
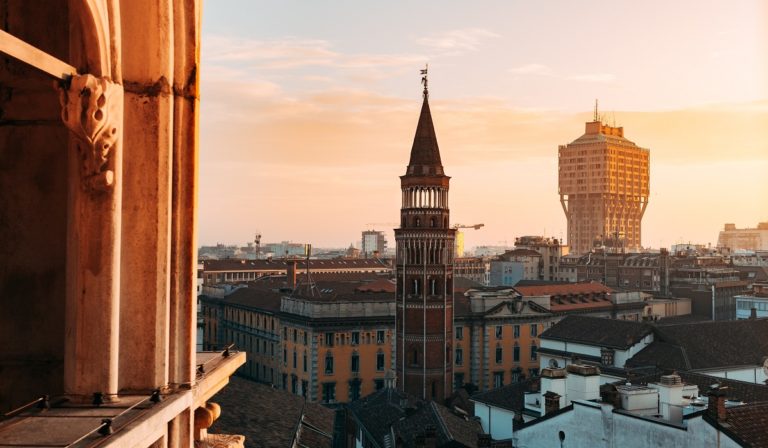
{"x": 425, "y": 154}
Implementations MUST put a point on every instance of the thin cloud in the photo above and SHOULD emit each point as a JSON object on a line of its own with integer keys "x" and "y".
{"x": 467, "y": 39}
{"x": 532, "y": 69}
{"x": 544, "y": 71}
{"x": 592, "y": 77}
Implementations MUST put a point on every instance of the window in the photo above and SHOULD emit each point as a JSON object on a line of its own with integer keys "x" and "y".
{"x": 534, "y": 330}
{"x": 294, "y": 384}
{"x": 378, "y": 384}
{"x": 329, "y": 364}
{"x": 459, "y": 333}
{"x": 415, "y": 359}
{"x": 459, "y": 356}
{"x": 380, "y": 337}
{"x": 305, "y": 361}
{"x": 354, "y": 389}
{"x": 516, "y": 373}
{"x": 285, "y": 333}
{"x": 304, "y": 386}
{"x": 329, "y": 339}
{"x": 458, "y": 380}
{"x": 355, "y": 338}
{"x": 295, "y": 362}
{"x": 498, "y": 379}
{"x": 305, "y": 337}
{"x": 285, "y": 381}
{"x": 499, "y": 354}
{"x": 534, "y": 352}
{"x": 295, "y": 335}
{"x": 329, "y": 392}
{"x": 380, "y": 362}
{"x": 516, "y": 354}
{"x": 532, "y": 372}
{"x": 417, "y": 222}
{"x": 499, "y": 330}
{"x": 285, "y": 356}
{"x": 355, "y": 362}
{"x": 516, "y": 329}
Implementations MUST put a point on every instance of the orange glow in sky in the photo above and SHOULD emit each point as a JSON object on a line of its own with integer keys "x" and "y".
{"x": 309, "y": 108}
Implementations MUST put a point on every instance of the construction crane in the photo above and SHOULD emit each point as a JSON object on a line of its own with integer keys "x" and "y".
{"x": 473, "y": 226}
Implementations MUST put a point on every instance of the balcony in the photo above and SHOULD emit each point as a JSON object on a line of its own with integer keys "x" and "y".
{"x": 132, "y": 420}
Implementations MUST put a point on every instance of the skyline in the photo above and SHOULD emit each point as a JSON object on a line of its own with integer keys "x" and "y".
{"x": 305, "y": 127}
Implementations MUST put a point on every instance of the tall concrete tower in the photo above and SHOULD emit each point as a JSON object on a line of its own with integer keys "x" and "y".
{"x": 425, "y": 245}
{"x": 604, "y": 187}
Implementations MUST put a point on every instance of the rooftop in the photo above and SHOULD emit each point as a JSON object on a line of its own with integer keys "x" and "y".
{"x": 271, "y": 418}
{"x": 620, "y": 334}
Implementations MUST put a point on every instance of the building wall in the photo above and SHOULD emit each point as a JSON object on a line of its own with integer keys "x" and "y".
{"x": 744, "y": 239}
{"x": 495, "y": 421}
{"x": 591, "y": 425}
{"x": 479, "y": 344}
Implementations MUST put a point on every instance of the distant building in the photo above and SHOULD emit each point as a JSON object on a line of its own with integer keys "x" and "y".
{"x": 515, "y": 265}
{"x": 476, "y": 269}
{"x": 374, "y": 243}
{"x": 604, "y": 188}
{"x": 551, "y": 250}
{"x": 284, "y": 249}
{"x": 744, "y": 239}
{"x": 238, "y": 271}
{"x": 753, "y": 305}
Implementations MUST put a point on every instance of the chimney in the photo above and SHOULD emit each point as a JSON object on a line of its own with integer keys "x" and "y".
{"x": 716, "y": 402}
{"x": 291, "y": 274}
{"x": 551, "y": 402}
{"x": 670, "y": 389}
{"x": 553, "y": 381}
{"x": 582, "y": 383}
{"x": 483, "y": 440}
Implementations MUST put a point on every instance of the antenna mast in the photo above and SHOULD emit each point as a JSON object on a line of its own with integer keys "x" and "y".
{"x": 596, "y": 116}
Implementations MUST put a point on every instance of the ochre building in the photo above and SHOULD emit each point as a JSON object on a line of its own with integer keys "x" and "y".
{"x": 604, "y": 188}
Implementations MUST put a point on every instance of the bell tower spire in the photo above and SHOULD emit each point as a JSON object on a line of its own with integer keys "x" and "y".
{"x": 425, "y": 245}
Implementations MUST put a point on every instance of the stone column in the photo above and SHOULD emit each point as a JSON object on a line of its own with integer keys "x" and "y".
{"x": 92, "y": 109}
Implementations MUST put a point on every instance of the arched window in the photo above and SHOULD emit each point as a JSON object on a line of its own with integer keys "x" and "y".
{"x": 432, "y": 222}
{"x": 415, "y": 360}
{"x": 417, "y": 222}
{"x": 433, "y": 286}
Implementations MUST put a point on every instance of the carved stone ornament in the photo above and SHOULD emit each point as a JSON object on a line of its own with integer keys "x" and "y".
{"x": 92, "y": 108}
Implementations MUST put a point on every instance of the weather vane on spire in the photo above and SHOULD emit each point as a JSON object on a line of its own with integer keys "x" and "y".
{"x": 424, "y": 79}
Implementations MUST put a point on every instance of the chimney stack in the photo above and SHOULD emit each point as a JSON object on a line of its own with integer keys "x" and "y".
{"x": 716, "y": 403}
{"x": 551, "y": 402}
{"x": 291, "y": 274}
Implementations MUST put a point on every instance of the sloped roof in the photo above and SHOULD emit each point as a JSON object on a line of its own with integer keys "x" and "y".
{"x": 614, "y": 333}
{"x": 269, "y": 418}
{"x": 378, "y": 411}
{"x": 563, "y": 289}
{"x": 510, "y": 397}
{"x": 425, "y": 152}
{"x": 448, "y": 427}
{"x": 705, "y": 345}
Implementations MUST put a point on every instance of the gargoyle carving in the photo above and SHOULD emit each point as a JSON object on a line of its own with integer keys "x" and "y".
{"x": 92, "y": 108}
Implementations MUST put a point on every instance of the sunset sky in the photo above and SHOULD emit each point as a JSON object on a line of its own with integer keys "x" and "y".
{"x": 309, "y": 110}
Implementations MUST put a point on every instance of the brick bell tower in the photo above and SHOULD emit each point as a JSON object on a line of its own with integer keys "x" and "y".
{"x": 425, "y": 245}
